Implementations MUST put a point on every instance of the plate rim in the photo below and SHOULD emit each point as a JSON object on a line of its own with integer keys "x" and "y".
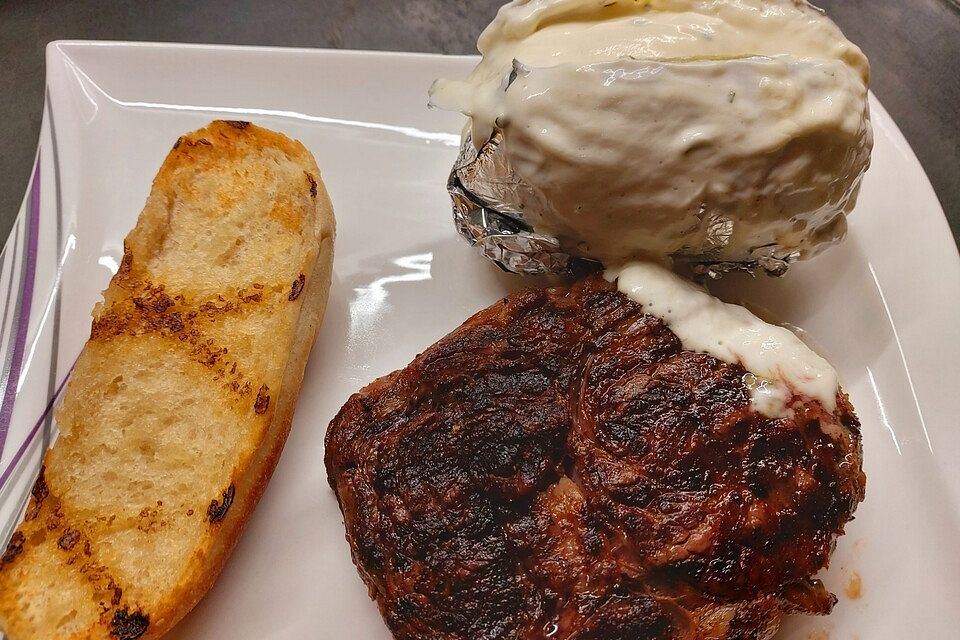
{"x": 61, "y": 47}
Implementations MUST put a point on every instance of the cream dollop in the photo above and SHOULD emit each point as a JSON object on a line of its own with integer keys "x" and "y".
{"x": 726, "y": 130}
{"x": 779, "y": 363}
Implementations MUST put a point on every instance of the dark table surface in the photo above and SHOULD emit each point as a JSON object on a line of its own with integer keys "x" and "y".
{"x": 914, "y": 46}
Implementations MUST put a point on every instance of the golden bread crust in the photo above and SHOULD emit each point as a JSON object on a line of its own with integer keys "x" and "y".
{"x": 181, "y": 401}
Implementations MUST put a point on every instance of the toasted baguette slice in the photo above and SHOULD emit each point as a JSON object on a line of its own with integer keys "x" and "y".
{"x": 181, "y": 400}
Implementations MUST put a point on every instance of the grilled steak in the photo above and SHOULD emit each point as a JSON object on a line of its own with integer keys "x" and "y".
{"x": 559, "y": 467}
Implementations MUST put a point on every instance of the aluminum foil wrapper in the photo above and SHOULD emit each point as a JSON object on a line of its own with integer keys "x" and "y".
{"x": 488, "y": 202}
{"x": 488, "y": 212}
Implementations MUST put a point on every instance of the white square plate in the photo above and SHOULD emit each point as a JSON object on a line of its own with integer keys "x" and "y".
{"x": 884, "y": 307}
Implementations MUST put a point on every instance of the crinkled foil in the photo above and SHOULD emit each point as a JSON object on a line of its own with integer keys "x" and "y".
{"x": 488, "y": 198}
{"x": 774, "y": 267}
{"x": 486, "y": 195}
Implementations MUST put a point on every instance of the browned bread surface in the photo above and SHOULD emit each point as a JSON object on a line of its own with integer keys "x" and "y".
{"x": 560, "y": 467}
{"x": 180, "y": 402}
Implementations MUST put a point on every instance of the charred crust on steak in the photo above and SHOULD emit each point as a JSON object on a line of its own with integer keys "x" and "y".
{"x": 560, "y": 460}
{"x": 217, "y": 510}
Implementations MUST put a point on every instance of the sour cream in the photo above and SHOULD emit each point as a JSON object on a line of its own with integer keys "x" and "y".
{"x": 780, "y": 365}
{"x": 726, "y": 130}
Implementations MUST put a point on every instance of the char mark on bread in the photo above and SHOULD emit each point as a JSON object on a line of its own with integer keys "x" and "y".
{"x": 129, "y": 626}
{"x": 180, "y": 402}
{"x": 217, "y": 510}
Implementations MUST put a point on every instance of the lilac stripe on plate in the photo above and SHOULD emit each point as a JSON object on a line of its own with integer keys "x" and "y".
{"x": 23, "y": 322}
{"x": 33, "y": 432}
